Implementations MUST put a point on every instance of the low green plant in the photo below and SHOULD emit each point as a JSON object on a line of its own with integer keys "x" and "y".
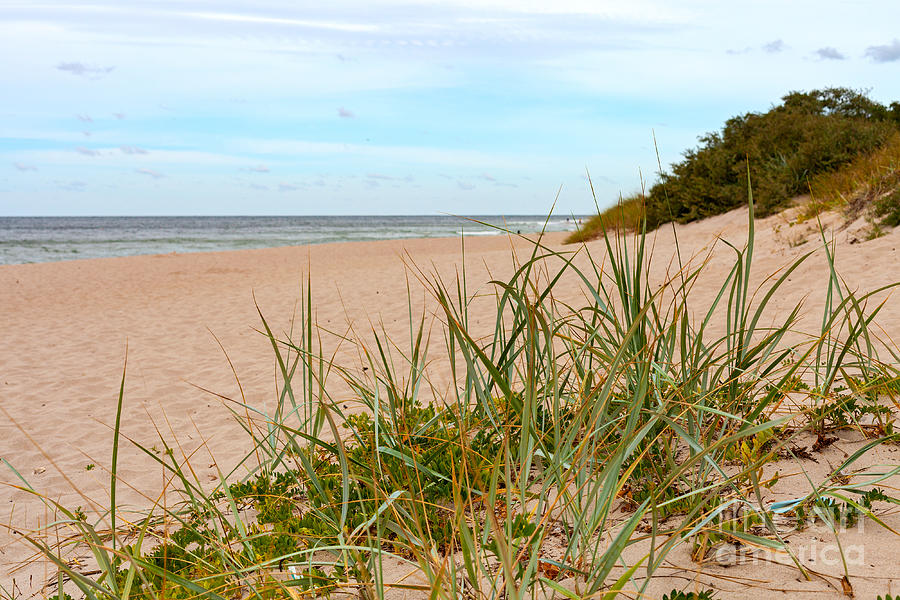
{"x": 680, "y": 595}
{"x": 844, "y": 513}
{"x": 887, "y": 208}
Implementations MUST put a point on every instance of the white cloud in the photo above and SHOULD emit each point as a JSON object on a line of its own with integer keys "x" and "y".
{"x": 884, "y": 53}
{"x": 114, "y": 157}
{"x": 132, "y": 150}
{"x": 346, "y": 27}
{"x": 83, "y": 70}
{"x": 87, "y": 151}
{"x": 150, "y": 173}
{"x": 72, "y": 186}
{"x": 406, "y": 154}
{"x": 345, "y": 114}
{"x": 24, "y": 167}
{"x": 829, "y": 53}
{"x": 258, "y": 169}
{"x": 775, "y": 46}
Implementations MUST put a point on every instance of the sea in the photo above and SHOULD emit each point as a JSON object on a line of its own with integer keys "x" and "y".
{"x": 43, "y": 239}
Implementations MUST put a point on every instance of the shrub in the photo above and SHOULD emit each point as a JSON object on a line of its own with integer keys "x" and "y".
{"x": 808, "y": 134}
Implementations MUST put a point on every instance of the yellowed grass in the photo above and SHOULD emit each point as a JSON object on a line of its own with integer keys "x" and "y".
{"x": 626, "y": 215}
{"x": 854, "y": 186}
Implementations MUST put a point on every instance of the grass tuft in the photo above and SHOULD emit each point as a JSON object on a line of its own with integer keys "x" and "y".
{"x": 626, "y": 216}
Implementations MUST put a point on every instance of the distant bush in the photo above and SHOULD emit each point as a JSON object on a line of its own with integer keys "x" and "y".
{"x": 808, "y": 134}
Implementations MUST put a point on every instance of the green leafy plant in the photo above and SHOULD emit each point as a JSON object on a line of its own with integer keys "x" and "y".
{"x": 680, "y": 595}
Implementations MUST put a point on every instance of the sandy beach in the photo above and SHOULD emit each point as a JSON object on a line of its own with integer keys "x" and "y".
{"x": 65, "y": 327}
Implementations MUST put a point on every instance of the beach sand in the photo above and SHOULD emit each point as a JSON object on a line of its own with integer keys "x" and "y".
{"x": 65, "y": 327}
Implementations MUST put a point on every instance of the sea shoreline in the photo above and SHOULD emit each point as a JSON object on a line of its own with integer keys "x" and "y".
{"x": 554, "y": 237}
{"x": 26, "y": 240}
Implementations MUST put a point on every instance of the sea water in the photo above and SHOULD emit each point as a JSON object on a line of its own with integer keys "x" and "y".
{"x": 41, "y": 239}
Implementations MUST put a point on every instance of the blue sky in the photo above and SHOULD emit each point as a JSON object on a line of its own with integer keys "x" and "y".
{"x": 401, "y": 107}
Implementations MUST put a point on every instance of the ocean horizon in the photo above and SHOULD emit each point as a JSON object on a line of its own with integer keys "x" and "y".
{"x": 48, "y": 239}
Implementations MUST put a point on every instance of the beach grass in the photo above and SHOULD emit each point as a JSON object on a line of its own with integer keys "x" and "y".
{"x": 625, "y": 216}
{"x": 577, "y": 446}
{"x": 868, "y": 185}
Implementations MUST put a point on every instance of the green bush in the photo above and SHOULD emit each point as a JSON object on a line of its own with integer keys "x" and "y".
{"x": 807, "y": 134}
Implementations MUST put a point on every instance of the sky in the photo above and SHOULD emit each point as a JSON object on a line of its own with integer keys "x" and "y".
{"x": 396, "y": 107}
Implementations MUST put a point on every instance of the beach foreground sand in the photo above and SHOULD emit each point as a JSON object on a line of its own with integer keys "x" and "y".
{"x": 65, "y": 327}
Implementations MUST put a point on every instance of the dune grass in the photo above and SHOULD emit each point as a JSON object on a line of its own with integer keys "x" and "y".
{"x": 577, "y": 447}
{"x": 626, "y": 216}
{"x": 869, "y": 183}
